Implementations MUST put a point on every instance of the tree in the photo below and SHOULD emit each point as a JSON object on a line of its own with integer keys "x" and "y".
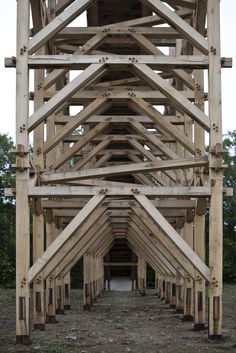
{"x": 7, "y": 213}
{"x": 229, "y": 208}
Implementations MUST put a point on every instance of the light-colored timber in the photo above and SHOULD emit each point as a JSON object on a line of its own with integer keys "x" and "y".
{"x": 119, "y": 175}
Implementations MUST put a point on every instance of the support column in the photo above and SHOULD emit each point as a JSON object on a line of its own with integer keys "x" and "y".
{"x": 51, "y": 281}
{"x": 216, "y": 174}
{"x": 67, "y": 303}
{"x": 188, "y": 282}
{"x": 22, "y": 176}
{"x": 87, "y": 282}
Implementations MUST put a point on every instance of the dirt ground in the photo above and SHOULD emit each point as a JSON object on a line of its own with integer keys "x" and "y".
{"x": 119, "y": 322}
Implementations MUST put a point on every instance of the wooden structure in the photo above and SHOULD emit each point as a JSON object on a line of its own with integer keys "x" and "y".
{"x": 118, "y": 116}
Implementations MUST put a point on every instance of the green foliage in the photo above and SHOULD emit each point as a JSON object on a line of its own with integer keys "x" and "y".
{"x": 7, "y": 214}
{"x": 229, "y": 209}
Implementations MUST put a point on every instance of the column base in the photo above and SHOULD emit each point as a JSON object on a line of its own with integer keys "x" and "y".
{"x": 60, "y": 312}
{"x": 188, "y": 318}
{"x": 67, "y": 307}
{"x": 215, "y": 337}
{"x": 87, "y": 307}
{"x": 23, "y": 340}
{"x": 40, "y": 327}
{"x": 51, "y": 319}
{"x": 199, "y": 327}
{"x": 143, "y": 294}
{"x": 179, "y": 311}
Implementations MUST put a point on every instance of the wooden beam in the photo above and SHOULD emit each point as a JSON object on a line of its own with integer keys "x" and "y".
{"x": 154, "y": 140}
{"x": 175, "y": 97}
{"x": 78, "y": 241}
{"x": 55, "y": 75}
{"x": 79, "y": 119}
{"x": 64, "y": 236}
{"x": 152, "y": 49}
{"x": 72, "y": 191}
{"x": 188, "y": 32}
{"x": 81, "y": 143}
{"x": 124, "y": 169}
{"x": 22, "y": 178}
{"x": 120, "y": 204}
{"x": 80, "y": 81}
{"x": 143, "y": 107}
{"x": 80, "y": 62}
{"x": 59, "y": 22}
{"x": 174, "y": 236}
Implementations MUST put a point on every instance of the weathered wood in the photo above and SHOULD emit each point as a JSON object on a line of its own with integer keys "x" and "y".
{"x": 182, "y": 26}
{"x": 123, "y": 169}
{"x": 175, "y": 97}
{"x": 58, "y": 23}
{"x": 62, "y": 238}
{"x": 80, "y": 81}
{"x": 216, "y": 174}
{"x": 22, "y": 177}
{"x": 174, "y": 236}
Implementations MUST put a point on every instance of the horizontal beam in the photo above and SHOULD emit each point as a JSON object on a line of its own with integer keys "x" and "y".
{"x": 80, "y": 62}
{"x": 123, "y": 205}
{"x": 125, "y": 169}
{"x": 81, "y": 191}
{"x": 119, "y": 264}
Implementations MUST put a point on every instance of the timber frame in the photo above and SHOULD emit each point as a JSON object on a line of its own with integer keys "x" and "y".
{"x": 119, "y": 153}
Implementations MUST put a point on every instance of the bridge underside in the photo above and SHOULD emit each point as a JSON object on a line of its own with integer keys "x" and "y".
{"x": 119, "y": 174}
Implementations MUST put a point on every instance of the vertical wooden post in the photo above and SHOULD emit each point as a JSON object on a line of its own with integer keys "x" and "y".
{"x": 50, "y": 282}
{"x": 22, "y": 175}
{"x": 216, "y": 174}
{"x": 87, "y": 282}
{"x": 199, "y": 219}
{"x": 67, "y": 304}
{"x": 173, "y": 293}
{"x": 188, "y": 282}
{"x": 38, "y": 219}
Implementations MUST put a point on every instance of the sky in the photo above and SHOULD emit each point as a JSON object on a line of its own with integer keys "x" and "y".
{"x": 7, "y": 76}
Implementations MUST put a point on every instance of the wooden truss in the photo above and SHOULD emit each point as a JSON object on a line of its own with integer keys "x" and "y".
{"x": 118, "y": 150}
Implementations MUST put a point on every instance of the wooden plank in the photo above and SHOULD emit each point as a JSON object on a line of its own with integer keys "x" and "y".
{"x": 174, "y": 236}
{"x": 188, "y": 32}
{"x": 123, "y": 169}
{"x": 64, "y": 236}
{"x": 80, "y": 81}
{"x": 59, "y": 22}
{"x": 175, "y": 97}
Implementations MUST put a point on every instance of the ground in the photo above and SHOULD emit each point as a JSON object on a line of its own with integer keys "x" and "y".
{"x": 119, "y": 322}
